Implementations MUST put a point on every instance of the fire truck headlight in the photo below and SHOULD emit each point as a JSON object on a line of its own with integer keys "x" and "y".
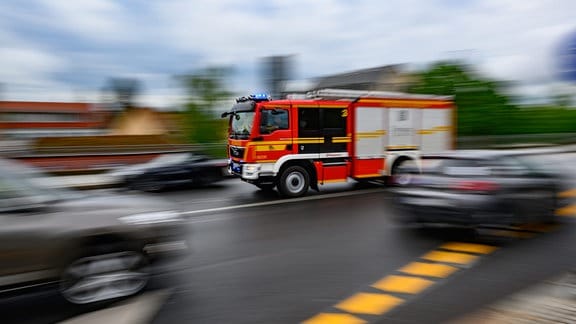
{"x": 251, "y": 168}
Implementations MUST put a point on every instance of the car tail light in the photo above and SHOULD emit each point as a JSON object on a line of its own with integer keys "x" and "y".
{"x": 476, "y": 186}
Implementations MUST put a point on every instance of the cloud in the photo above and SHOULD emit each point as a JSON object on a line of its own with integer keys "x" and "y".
{"x": 95, "y": 20}
{"x": 331, "y": 35}
{"x": 81, "y": 43}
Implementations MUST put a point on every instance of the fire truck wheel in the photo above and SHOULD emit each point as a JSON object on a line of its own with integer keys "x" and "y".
{"x": 294, "y": 182}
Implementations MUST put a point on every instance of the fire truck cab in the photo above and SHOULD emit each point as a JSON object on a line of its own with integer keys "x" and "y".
{"x": 333, "y": 136}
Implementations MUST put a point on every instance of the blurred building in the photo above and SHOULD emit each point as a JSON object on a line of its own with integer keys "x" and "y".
{"x": 64, "y": 136}
{"x": 276, "y": 70}
{"x": 383, "y": 78}
{"x": 145, "y": 121}
{"x": 28, "y": 119}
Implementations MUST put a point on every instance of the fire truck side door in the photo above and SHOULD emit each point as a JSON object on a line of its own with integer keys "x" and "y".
{"x": 334, "y": 129}
{"x": 310, "y": 138}
{"x": 275, "y": 132}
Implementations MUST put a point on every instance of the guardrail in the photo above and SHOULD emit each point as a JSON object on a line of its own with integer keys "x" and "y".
{"x": 504, "y": 141}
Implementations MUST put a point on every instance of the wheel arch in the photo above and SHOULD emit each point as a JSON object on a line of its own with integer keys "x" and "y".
{"x": 307, "y": 164}
{"x": 395, "y": 159}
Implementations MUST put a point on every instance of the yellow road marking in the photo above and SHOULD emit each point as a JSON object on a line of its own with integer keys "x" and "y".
{"x": 566, "y": 211}
{"x": 450, "y": 257}
{"x": 469, "y": 247}
{"x": 364, "y": 303}
{"x": 429, "y": 269}
{"x": 368, "y": 303}
{"x": 330, "y": 318}
{"x": 568, "y": 193}
{"x": 402, "y": 284}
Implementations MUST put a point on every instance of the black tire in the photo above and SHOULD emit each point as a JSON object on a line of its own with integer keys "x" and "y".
{"x": 294, "y": 182}
{"x": 105, "y": 274}
{"x": 550, "y": 217}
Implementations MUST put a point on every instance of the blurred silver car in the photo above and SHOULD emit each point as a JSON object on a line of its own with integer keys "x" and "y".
{"x": 476, "y": 188}
{"x": 92, "y": 247}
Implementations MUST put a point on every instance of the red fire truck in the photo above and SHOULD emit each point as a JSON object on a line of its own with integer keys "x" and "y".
{"x": 333, "y": 136}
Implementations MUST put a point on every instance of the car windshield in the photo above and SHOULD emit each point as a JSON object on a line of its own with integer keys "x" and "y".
{"x": 170, "y": 159}
{"x": 539, "y": 164}
{"x": 241, "y": 126}
{"x": 21, "y": 185}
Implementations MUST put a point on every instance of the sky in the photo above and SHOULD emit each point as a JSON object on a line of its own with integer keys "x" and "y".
{"x": 66, "y": 50}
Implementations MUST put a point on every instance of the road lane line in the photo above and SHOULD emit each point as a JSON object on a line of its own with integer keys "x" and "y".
{"x": 567, "y": 194}
{"x": 284, "y": 201}
{"x": 429, "y": 269}
{"x": 569, "y": 210}
{"x": 332, "y": 318}
{"x": 403, "y": 284}
{"x": 369, "y": 303}
{"x": 469, "y": 247}
{"x": 450, "y": 257}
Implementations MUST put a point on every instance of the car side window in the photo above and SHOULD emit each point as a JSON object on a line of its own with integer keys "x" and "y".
{"x": 507, "y": 167}
{"x": 464, "y": 168}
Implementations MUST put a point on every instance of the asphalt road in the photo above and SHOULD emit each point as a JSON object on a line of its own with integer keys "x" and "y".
{"x": 326, "y": 258}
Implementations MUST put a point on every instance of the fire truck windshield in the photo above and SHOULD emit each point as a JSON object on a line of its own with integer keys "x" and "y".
{"x": 241, "y": 126}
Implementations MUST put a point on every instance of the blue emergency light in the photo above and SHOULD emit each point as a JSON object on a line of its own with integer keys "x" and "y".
{"x": 254, "y": 97}
{"x": 260, "y": 97}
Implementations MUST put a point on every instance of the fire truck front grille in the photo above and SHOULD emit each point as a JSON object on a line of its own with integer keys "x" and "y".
{"x": 237, "y": 152}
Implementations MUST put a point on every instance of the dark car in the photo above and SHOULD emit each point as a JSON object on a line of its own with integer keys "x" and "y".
{"x": 476, "y": 188}
{"x": 91, "y": 247}
{"x": 171, "y": 171}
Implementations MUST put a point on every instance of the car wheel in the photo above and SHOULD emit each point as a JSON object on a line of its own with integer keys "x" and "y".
{"x": 397, "y": 177}
{"x": 104, "y": 277}
{"x": 550, "y": 214}
{"x": 294, "y": 182}
{"x": 204, "y": 178}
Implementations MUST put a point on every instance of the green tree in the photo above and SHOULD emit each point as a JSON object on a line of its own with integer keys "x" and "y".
{"x": 206, "y": 90}
{"x": 481, "y": 104}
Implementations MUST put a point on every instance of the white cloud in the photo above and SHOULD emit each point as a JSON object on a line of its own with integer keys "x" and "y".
{"x": 27, "y": 71}
{"x": 96, "y": 20}
{"x": 508, "y": 39}
{"x": 332, "y": 36}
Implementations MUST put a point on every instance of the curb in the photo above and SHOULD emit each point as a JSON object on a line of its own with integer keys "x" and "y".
{"x": 551, "y": 301}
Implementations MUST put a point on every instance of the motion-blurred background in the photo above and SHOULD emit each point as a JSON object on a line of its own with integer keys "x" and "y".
{"x": 121, "y": 77}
